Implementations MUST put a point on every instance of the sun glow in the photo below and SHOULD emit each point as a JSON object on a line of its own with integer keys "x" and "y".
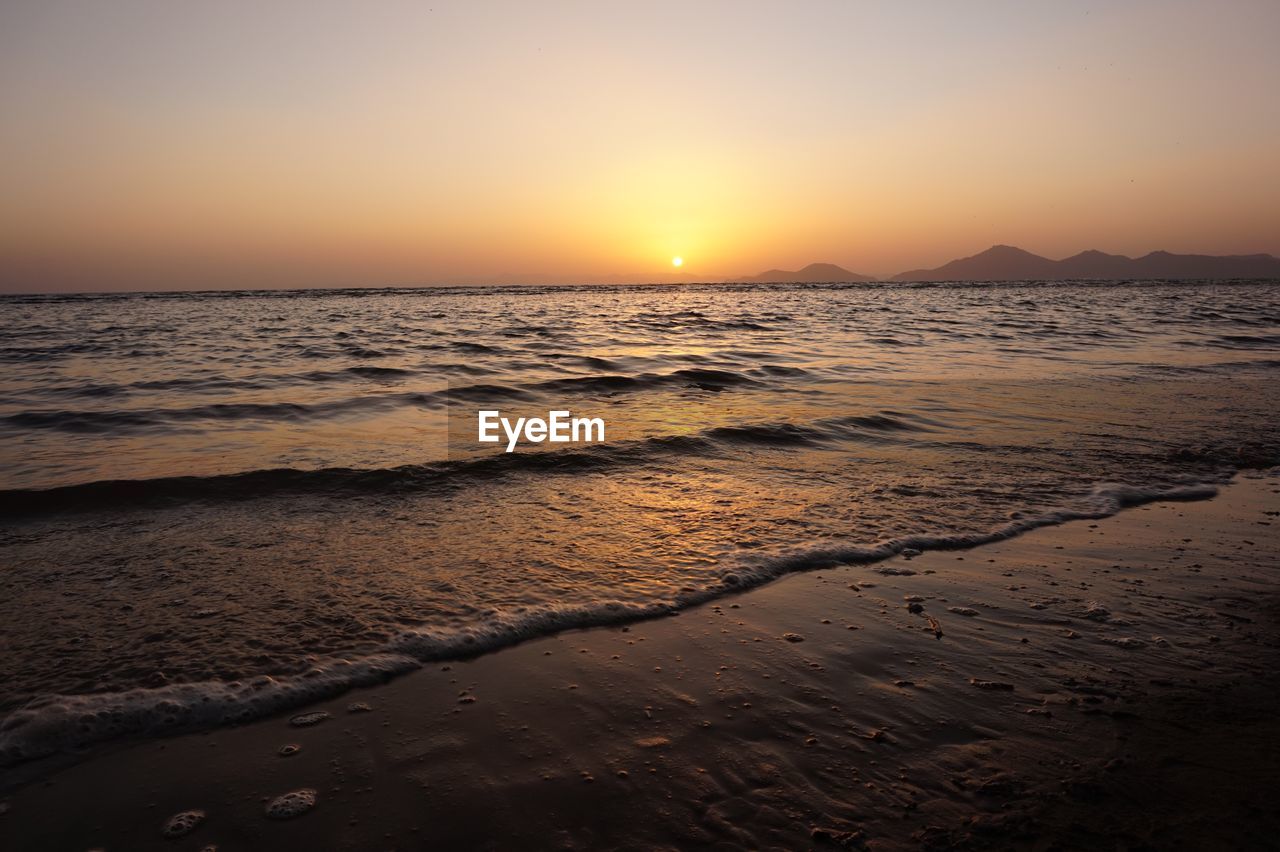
{"x": 677, "y": 261}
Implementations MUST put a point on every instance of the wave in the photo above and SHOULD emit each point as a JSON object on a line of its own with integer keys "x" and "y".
{"x": 703, "y": 378}
{"x": 341, "y": 481}
{"x": 1104, "y": 500}
{"x": 1255, "y": 342}
{"x": 124, "y": 420}
{"x": 59, "y": 723}
{"x": 255, "y": 382}
{"x": 133, "y": 420}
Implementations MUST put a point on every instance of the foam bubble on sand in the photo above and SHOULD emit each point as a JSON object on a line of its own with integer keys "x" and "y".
{"x": 1124, "y": 641}
{"x": 58, "y": 723}
{"x": 295, "y": 803}
{"x": 1096, "y": 612}
{"x": 182, "y": 824}
{"x": 1104, "y": 500}
{"x": 507, "y": 628}
{"x": 991, "y": 685}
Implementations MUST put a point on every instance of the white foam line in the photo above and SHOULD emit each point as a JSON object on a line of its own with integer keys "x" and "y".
{"x": 60, "y": 723}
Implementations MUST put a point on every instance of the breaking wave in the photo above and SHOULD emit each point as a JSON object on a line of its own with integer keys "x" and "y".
{"x": 58, "y": 723}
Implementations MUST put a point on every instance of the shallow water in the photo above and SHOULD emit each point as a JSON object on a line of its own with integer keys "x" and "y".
{"x": 203, "y": 488}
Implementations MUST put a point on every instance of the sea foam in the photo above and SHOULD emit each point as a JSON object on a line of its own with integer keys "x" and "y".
{"x": 59, "y": 723}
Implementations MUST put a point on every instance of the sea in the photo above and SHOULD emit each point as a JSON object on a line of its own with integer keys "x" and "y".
{"x": 222, "y": 505}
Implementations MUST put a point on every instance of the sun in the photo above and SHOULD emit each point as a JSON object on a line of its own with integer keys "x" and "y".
{"x": 677, "y": 261}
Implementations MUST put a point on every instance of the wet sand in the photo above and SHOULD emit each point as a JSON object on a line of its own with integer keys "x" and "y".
{"x": 1097, "y": 685}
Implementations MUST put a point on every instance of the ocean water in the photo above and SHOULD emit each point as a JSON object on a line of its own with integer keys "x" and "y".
{"x": 220, "y": 505}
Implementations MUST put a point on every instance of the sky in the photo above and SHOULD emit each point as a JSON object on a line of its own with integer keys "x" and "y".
{"x": 181, "y": 145}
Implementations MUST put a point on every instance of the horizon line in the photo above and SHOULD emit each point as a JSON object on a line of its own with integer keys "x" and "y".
{"x": 674, "y": 278}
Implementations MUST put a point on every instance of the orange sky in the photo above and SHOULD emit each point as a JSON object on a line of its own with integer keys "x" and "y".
{"x": 153, "y": 145}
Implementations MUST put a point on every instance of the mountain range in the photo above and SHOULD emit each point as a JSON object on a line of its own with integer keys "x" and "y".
{"x": 817, "y": 273}
{"x": 1008, "y": 263}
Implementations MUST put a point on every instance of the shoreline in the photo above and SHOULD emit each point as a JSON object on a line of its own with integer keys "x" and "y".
{"x": 62, "y": 727}
{"x": 812, "y": 709}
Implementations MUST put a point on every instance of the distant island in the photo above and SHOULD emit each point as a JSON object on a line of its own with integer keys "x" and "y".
{"x": 818, "y": 273}
{"x": 1007, "y": 263}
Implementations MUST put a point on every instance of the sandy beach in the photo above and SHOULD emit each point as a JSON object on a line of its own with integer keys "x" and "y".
{"x": 1102, "y": 684}
{"x": 657, "y": 426}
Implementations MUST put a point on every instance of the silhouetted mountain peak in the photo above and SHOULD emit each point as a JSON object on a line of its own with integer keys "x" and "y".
{"x": 826, "y": 269}
{"x": 1010, "y": 263}
{"x": 824, "y": 273}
